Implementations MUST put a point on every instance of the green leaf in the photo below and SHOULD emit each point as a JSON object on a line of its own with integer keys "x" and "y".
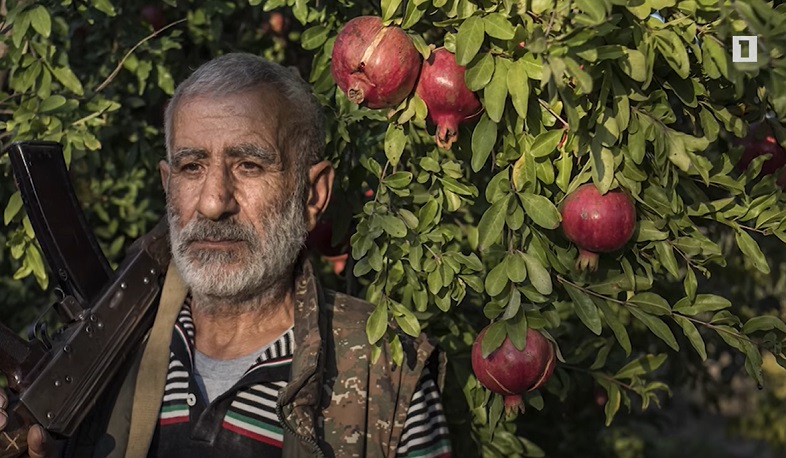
{"x": 314, "y": 37}
{"x": 516, "y": 327}
{"x": 516, "y": 266}
{"x": 395, "y": 141}
{"x": 667, "y": 258}
{"x": 518, "y": 87}
{"x": 479, "y": 72}
{"x": 651, "y": 303}
{"x": 513, "y": 307}
{"x": 602, "y": 166}
{"x": 677, "y": 154}
{"x": 434, "y": 281}
{"x": 21, "y": 26}
{"x": 658, "y": 327}
{"x": 612, "y": 403}
{"x": 690, "y": 283}
{"x": 377, "y": 323}
{"x": 585, "y": 309}
{"x": 12, "y": 208}
{"x": 406, "y": 320}
{"x": 541, "y": 210}
{"x": 40, "y": 20}
{"x": 495, "y": 335}
{"x": 634, "y": 65}
{"x": 497, "y": 25}
{"x": 393, "y": 226}
{"x": 646, "y": 231}
{"x": 616, "y": 325}
{"x": 702, "y": 303}
{"x": 68, "y": 79}
{"x": 496, "y": 92}
{"x": 491, "y": 224}
{"x": 165, "y": 80}
{"x": 427, "y": 214}
{"x": 594, "y": 8}
{"x": 414, "y": 11}
{"x": 693, "y": 336}
{"x": 469, "y": 39}
{"x": 409, "y": 218}
{"x": 51, "y": 103}
{"x": 483, "y": 139}
{"x": 641, "y": 366}
{"x": 764, "y": 323}
{"x": 389, "y": 8}
{"x": 104, "y": 6}
{"x": 752, "y": 251}
{"x": 538, "y": 275}
{"x": 496, "y": 280}
{"x": 398, "y": 180}
{"x": 546, "y": 143}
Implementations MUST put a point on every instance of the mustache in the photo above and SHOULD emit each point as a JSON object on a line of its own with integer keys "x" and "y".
{"x": 224, "y": 230}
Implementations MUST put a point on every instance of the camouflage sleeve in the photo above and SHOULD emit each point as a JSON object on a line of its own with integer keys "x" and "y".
{"x": 426, "y": 428}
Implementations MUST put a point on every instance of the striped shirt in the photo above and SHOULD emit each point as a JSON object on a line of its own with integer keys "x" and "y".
{"x": 243, "y": 420}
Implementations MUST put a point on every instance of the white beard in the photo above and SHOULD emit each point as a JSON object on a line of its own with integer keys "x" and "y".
{"x": 255, "y": 268}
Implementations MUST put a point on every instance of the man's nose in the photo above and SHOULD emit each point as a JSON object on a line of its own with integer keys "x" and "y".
{"x": 217, "y": 197}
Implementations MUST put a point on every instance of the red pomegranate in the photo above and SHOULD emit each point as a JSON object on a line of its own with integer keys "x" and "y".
{"x": 320, "y": 240}
{"x": 154, "y": 15}
{"x": 761, "y": 141}
{"x": 597, "y": 223}
{"x": 339, "y": 263}
{"x": 512, "y": 372}
{"x": 374, "y": 64}
{"x": 449, "y": 100}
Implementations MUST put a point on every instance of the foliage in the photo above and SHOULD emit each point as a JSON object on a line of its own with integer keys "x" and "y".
{"x": 640, "y": 95}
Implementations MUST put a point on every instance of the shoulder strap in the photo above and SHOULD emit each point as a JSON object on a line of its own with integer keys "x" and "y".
{"x": 151, "y": 378}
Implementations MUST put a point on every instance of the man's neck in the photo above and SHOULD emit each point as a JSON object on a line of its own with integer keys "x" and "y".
{"x": 224, "y": 334}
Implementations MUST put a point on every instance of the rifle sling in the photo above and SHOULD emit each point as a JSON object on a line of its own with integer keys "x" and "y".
{"x": 151, "y": 378}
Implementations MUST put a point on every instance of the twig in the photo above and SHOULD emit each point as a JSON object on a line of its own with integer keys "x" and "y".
{"x": 128, "y": 54}
{"x": 598, "y": 374}
{"x": 672, "y": 313}
{"x": 553, "y": 113}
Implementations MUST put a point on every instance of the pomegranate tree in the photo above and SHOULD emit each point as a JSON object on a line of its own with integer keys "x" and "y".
{"x": 597, "y": 223}
{"x": 450, "y": 102}
{"x": 512, "y": 372}
{"x": 374, "y": 64}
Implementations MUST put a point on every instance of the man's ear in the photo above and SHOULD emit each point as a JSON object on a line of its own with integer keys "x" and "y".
{"x": 163, "y": 167}
{"x": 320, "y": 179}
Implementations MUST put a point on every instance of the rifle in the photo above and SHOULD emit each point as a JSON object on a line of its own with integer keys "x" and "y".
{"x": 106, "y": 313}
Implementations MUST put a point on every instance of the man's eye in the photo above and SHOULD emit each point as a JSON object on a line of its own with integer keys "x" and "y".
{"x": 250, "y": 166}
{"x": 190, "y": 167}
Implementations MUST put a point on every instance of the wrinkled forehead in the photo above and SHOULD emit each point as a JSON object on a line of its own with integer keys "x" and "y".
{"x": 263, "y": 110}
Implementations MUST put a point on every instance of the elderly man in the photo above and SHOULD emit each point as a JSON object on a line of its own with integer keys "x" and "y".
{"x": 261, "y": 360}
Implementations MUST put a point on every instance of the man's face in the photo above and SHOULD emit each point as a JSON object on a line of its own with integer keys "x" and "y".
{"x": 236, "y": 214}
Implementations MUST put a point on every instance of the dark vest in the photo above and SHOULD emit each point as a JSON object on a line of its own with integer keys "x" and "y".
{"x": 338, "y": 402}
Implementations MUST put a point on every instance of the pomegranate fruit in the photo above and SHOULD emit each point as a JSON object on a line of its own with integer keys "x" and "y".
{"x": 320, "y": 239}
{"x": 154, "y": 15}
{"x": 339, "y": 263}
{"x": 597, "y": 223}
{"x": 450, "y": 102}
{"x": 373, "y": 64}
{"x": 512, "y": 372}
{"x": 762, "y": 141}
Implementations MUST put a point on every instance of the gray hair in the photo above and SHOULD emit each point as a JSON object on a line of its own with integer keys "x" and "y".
{"x": 240, "y": 72}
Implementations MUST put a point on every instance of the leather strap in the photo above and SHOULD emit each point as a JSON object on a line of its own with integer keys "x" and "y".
{"x": 151, "y": 378}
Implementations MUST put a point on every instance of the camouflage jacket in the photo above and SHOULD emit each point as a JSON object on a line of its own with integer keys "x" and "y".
{"x": 337, "y": 403}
